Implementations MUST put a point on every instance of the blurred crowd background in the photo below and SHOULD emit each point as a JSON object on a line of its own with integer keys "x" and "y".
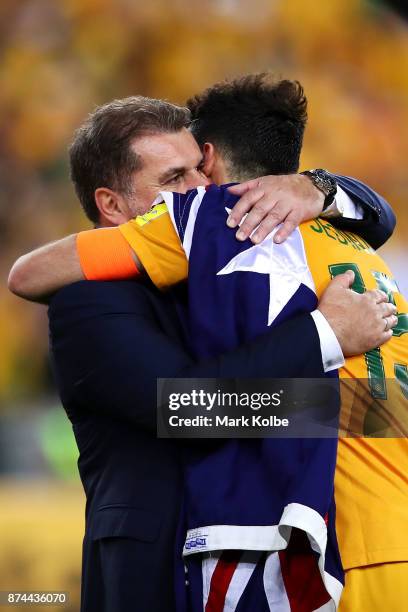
{"x": 61, "y": 58}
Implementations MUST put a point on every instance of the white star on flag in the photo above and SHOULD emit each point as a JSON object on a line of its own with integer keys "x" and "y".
{"x": 285, "y": 264}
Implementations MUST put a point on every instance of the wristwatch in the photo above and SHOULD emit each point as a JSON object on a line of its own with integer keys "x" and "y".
{"x": 325, "y": 183}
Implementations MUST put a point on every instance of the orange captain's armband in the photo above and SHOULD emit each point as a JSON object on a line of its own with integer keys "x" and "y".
{"x": 104, "y": 254}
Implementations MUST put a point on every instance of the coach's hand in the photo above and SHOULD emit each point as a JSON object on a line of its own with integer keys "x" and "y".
{"x": 361, "y": 322}
{"x": 270, "y": 200}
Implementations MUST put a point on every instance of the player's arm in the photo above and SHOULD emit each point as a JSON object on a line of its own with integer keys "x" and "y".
{"x": 147, "y": 244}
{"x": 102, "y": 254}
{"x": 105, "y": 256}
{"x": 38, "y": 274}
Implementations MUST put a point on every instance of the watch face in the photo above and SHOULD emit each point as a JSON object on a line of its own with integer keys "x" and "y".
{"x": 327, "y": 182}
{"x": 323, "y": 185}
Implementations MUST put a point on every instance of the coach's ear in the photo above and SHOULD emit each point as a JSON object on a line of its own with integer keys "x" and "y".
{"x": 214, "y": 165}
{"x": 112, "y": 207}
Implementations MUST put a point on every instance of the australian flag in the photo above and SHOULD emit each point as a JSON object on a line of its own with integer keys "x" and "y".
{"x": 255, "y": 509}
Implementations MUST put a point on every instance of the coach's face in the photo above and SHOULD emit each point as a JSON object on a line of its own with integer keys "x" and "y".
{"x": 170, "y": 162}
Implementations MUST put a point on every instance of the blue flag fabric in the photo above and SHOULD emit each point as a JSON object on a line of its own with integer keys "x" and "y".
{"x": 250, "y": 494}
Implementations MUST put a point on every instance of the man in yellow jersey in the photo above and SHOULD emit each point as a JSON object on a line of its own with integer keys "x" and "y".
{"x": 372, "y": 474}
{"x": 327, "y": 250}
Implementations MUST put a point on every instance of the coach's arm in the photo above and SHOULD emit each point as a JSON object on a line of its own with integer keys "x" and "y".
{"x": 379, "y": 220}
{"x": 110, "y": 341}
{"x": 109, "y": 346}
{"x": 365, "y": 212}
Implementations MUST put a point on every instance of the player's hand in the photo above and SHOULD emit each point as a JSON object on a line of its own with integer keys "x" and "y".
{"x": 270, "y": 200}
{"x": 361, "y": 322}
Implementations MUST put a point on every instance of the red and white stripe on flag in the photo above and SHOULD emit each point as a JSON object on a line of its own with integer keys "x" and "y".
{"x": 291, "y": 579}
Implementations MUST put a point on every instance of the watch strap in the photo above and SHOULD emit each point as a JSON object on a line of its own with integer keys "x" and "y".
{"x": 325, "y": 182}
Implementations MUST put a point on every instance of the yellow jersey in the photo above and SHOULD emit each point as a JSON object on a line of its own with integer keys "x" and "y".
{"x": 371, "y": 482}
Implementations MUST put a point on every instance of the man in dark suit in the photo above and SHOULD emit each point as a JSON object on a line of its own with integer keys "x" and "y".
{"x": 111, "y": 340}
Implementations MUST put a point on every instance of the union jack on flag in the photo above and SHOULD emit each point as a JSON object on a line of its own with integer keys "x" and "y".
{"x": 259, "y": 513}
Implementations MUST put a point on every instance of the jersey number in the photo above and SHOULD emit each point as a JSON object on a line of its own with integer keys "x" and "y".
{"x": 373, "y": 358}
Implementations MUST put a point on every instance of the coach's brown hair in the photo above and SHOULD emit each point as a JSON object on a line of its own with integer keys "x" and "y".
{"x": 100, "y": 154}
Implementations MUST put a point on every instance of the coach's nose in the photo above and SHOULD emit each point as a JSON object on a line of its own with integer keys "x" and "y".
{"x": 197, "y": 178}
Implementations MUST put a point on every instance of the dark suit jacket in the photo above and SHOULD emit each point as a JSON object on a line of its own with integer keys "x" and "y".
{"x": 110, "y": 341}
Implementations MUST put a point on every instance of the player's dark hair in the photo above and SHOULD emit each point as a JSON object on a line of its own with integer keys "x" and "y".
{"x": 256, "y": 122}
{"x": 100, "y": 154}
